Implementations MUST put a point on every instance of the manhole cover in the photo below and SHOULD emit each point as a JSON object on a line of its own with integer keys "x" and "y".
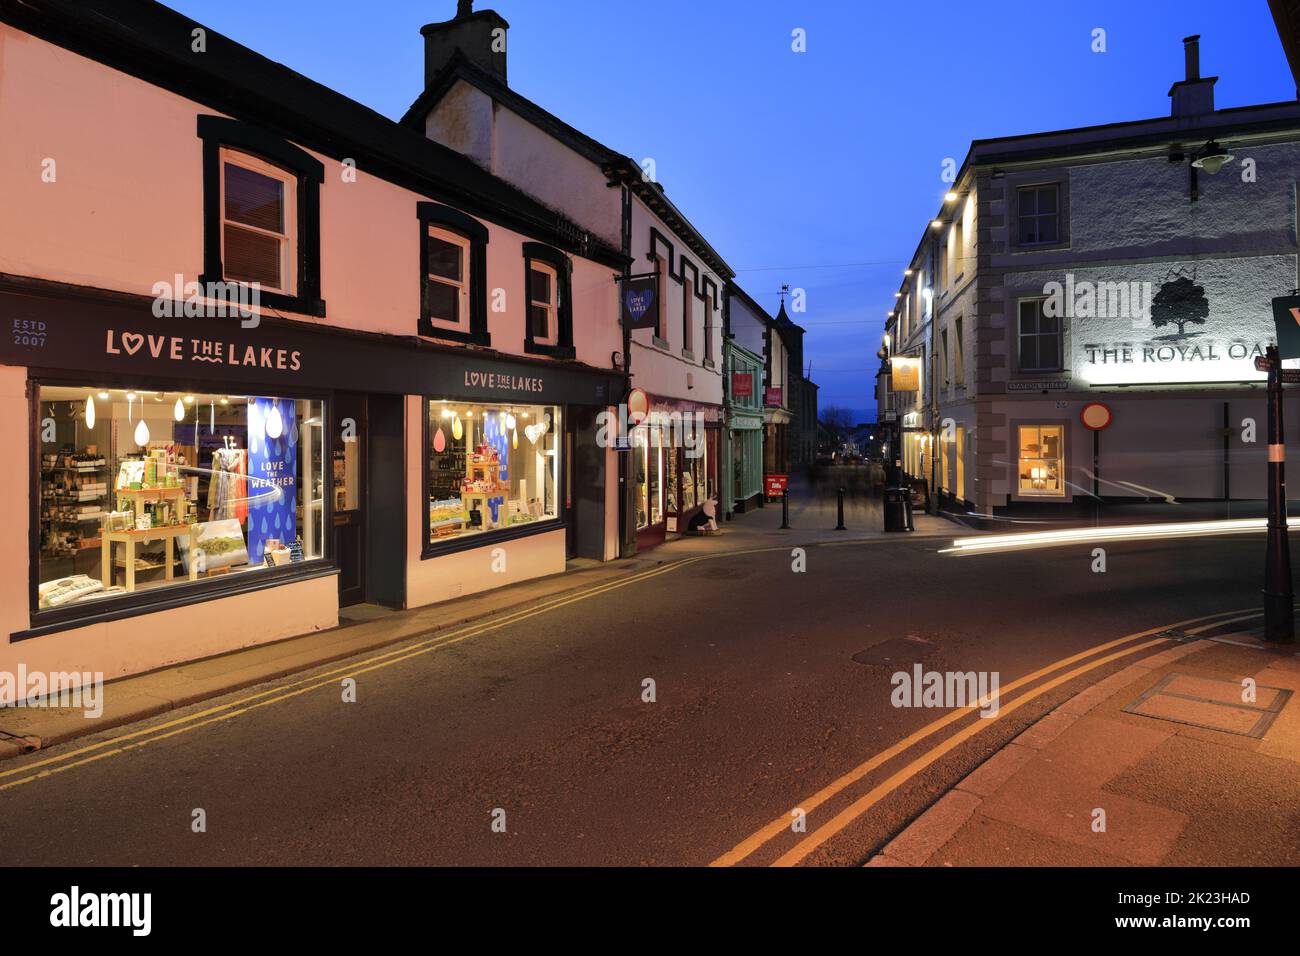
{"x": 1212, "y": 704}
{"x": 900, "y": 650}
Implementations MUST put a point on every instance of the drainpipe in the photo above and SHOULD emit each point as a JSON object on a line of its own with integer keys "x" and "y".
{"x": 627, "y": 487}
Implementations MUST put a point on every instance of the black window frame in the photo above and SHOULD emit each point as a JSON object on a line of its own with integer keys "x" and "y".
{"x": 548, "y": 255}
{"x": 1038, "y": 334}
{"x": 218, "y": 132}
{"x": 476, "y": 234}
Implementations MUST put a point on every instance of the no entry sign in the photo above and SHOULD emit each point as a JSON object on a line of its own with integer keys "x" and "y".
{"x": 1096, "y": 416}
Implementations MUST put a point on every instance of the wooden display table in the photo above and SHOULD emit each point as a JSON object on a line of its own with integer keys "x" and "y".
{"x": 133, "y": 538}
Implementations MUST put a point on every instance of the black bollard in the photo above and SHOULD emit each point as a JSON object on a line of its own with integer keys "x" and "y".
{"x": 840, "y": 525}
{"x": 785, "y": 509}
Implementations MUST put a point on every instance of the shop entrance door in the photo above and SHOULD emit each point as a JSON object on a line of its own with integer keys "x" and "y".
{"x": 351, "y": 428}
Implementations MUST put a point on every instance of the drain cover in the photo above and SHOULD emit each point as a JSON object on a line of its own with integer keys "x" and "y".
{"x": 1212, "y": 704}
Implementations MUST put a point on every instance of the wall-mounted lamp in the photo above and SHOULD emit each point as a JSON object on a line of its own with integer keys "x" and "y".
{"x": 1211, "y": 157}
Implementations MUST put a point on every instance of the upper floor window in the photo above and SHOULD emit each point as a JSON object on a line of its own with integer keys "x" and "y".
{"x": 688, "y": 314}
{"x": 661, "y": 267}
{"x": 257, "y": 238}
{"x": 958, "y": 355}
{"x": 446, "y": 267}
{"x": 1038, "y": 214}
{"x": 708, "y": 327}
{"x": 548, "y": 325}
{"x": 1040, "y": 338}
{"x": 542, "y": 304}
{"x": 453, "y": 275}
{"x": 261, "y": 214}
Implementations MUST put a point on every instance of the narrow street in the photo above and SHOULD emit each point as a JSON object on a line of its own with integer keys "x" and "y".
{"x": 758, "y": 703}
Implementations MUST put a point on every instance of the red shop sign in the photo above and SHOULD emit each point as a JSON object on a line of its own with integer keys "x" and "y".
{"x": 742, "y": 384}
{"x": 776, "y": 484}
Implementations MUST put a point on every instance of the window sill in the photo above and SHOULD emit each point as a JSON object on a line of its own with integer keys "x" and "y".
{"x": 427, "y": 329}
{"x": 708, "y": 363}
{"x": 487, "y": 538}
{"x": 659, "y": 343}
{"x": 53, "y": 620}
{"x": 554, "y": 351}
{"x": 688, "y": 355}
{"x": 307, "y": 304}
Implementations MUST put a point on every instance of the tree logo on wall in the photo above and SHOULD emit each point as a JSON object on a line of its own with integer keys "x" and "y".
{"x": 1180, "y": 302}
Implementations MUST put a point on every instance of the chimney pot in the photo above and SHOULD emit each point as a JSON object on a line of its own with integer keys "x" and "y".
{"x": 1192, "y": 56}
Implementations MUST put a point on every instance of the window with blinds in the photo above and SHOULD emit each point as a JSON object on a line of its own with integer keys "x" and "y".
{"x": 257, "y": 234}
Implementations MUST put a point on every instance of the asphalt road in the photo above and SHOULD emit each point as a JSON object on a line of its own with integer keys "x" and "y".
{"x": 759, "y": 703}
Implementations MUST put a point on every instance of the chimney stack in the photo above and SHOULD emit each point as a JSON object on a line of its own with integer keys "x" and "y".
{"x": 479, "y": 37}
{"x": 1192, "y": 96}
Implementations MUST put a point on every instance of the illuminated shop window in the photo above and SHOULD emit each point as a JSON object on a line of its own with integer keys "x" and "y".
{"x": 145, "y": 489}
{"x": 1042, "y": 460}
{"x": 491, "y": 467}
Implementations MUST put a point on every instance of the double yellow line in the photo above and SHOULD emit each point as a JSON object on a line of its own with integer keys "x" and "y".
{"x": 135, "y": 739}
{"x": 830, "y": 828}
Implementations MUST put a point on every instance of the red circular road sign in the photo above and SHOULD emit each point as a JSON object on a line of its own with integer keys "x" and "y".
{"x": 1096, "y": 416}
{"x": 638, "y": 406}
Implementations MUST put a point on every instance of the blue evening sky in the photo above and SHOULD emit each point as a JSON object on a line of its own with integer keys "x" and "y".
{"x": 817, "y": 169}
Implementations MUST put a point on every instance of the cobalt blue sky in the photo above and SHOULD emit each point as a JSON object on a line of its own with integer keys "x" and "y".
{"x": 816, "y": 169}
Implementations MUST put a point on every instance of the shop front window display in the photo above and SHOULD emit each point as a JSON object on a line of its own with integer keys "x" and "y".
{"x": 145, "y": 489}
{"x": 491, "y": 467}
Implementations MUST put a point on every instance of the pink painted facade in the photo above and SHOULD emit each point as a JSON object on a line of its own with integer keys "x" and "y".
{"x": 102, "y": 183}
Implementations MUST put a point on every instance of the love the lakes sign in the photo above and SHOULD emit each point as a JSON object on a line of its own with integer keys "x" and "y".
{"x": 91, "y": 336}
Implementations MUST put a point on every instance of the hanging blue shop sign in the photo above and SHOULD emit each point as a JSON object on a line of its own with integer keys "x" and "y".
{"x": 641, "y": 301}
{"x": 272, "y": 474}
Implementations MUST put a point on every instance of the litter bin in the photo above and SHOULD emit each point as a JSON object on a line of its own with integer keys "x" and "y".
{"x": 897, "y": 506}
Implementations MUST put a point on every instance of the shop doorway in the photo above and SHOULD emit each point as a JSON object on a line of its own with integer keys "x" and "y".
{"x": 369, "y": 503}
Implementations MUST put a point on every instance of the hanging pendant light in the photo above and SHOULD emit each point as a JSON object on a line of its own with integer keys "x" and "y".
{"x": 130, "y": 400}
{"x": 90, "y": 411}
{"x": 274, "y": 421}
{"x": 457, "y": 429}
{"x": 439, "y": 441}
{"x": 178, "y": 411}
{"x": 141, "y": 433}
{"x": 510, "y": 422}
{"x": 212, "y": 420}
{"x": 514, "y": 438}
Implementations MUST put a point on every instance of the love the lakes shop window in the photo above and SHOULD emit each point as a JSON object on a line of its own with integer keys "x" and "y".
{"x": 491, "y": 467}
{"x": 142, "y": 490}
